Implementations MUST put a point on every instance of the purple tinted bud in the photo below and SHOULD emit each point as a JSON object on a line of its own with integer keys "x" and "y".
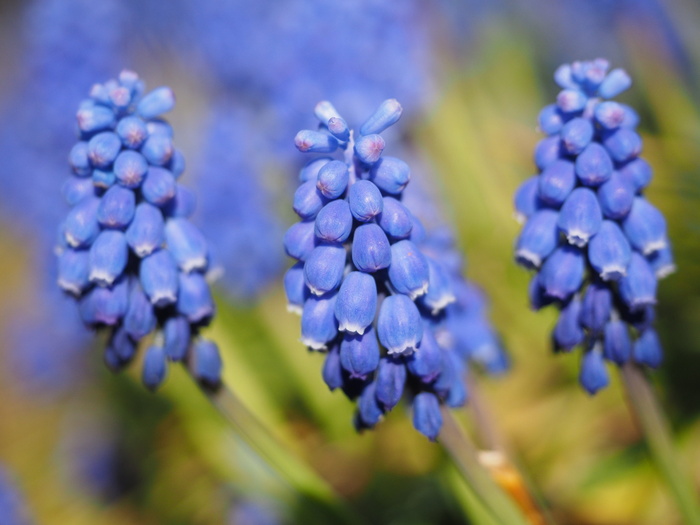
{"x": 158, "y": 150}
{"x": 594, "y": 374}
{"x": 538, "y": 239}
{"x": 332, "y": 372}
{"x": 187, "y": 244}
{"x": 647, "y": 349}
{"x": 73, "y": 271}
{"x": 76, "y": 189}
{"x": 177, "y": 164}
{"x": 550, "y": 119}
{"x": 563, "y": 77}
{"x": 205, "y": 363}
{"x": 369, "y": 148}
{"x": 536, "y": 294}
{"x": 359, "y": 354}
{"x": 527, "y": 201}
{"x": 548, "y": 151}
{"x": 391, "y": 175}
{"x": 370, "y": 248}
{"x": 155, "y": 368}
{"x": 387, "y": 114}
{"x": 159, "y": 277}
{"x": 130, "y": 168}
{"x": 159, "y": 186}
{"x": 576, "y": 135}
{"x": 357, "y": 303}
{"x": 121, "y": 345}
{"x": 339, "y": 128}
{"x": 194, "y": 299}
{"x": 617, "y": 346}
{"x": 332, "y": 179}
{"x": 609, "y": 115}
{"x": 645, "y": 227}
{"x": 408, "y": 272}
{"x": 427, "y": 418}
{"x": 78, "y": 159}
{"x": 103, "y": 179}
{"x": 562, "y": 272}
{"x": 295, "y": 288}
{"x": 315, "y": 142}
{"x": 299, "y": 241}
{"x": 615, "y": 83}
{"x": 325, "y": 111}
{"x": 638, "y": 287}
{"x": 390, "y": 380}
{"x": 159, "y": 127}
{"x": 426, "y": 362}
{"x": 103, "y": 305}
{"x": 631, "y": 118}
{"x": 334, "y": 222}
{"x": 596, "y": 307}
{"x": 556, "y": 182}
{"x": 568, "y": 332}
{"x": 159, "y": 101}
{"x": 636, "y": 173}
{"x": 368, "y": 408}
{"x": 323, "y": 270}
{"x": 103, "y": 149}
{"x": 176, "y": 335}
{"x": 146, "y": 231}
{"x": 117, "y": 208}
{"x": 318, "y": 323}
{"x": 395, "y": 219}
{"x": 609, "y": 252}
{"x": 312, "y": 168}
{"x": 449, "y": 383}
{"x": 140, "y": 319}
{"x": 365, "y": 200}
{"x": 81, "y": 226}
{"x": 132, "y": 132}
{"x": 615, "y": 197}
{"x": 108, "y": 257}
{"x": 439, "y": 293}
{"x": 183, "y": 204}
{"x": 580, "y": 216}
{"x": 399, "y": 325}
{"x": 594, "y": 166}
{"x": 308, "y": 200}
{"x": 571, "y": 100}
{"x": 662, "y": 263}
{"x": 94, "y": 118}
{"x": 623, "y": 144}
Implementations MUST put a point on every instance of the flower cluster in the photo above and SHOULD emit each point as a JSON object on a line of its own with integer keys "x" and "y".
{"x": 127, "y": 250}
{"x": 596, "y": 242}
{"x": 368, "y": 294}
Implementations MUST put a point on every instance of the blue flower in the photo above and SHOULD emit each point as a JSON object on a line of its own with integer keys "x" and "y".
{"x": 373, "y": 293}
{"x": 601, "y": 264}
{"x": 145, "y": 266}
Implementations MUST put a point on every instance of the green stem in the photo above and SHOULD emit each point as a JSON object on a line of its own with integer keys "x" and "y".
{"x": 490, "y": 436}
{"x": 646, "y": 409}
{"x": 285, "y": 462}
{"x": 463, "y": 453}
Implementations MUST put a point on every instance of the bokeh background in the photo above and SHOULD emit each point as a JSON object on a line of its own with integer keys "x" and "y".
{"x": 79, "y": 445}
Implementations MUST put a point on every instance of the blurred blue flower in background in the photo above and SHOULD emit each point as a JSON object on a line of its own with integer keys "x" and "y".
{"x": 12, "y": 506}
{"x": 67, "y": 45}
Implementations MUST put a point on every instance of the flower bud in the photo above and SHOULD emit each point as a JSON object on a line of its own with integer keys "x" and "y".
{"x": 427, "y": 418}
{"x": 356, "y": 304}
{"x": 370, "y": 248}
{"x": 399, "y": 325}
{"x": 408, "y": 272}
{"x": 365, "y": 200}
{"x": 323, "y": 270}
{"x": 359, "y": 353}
{"x": 387, "y": 114}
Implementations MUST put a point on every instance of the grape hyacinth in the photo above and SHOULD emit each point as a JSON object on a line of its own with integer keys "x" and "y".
{"x": 370, "y": 296}
{"x": 127, "y": 251}
{"x": 598, "y": 246}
